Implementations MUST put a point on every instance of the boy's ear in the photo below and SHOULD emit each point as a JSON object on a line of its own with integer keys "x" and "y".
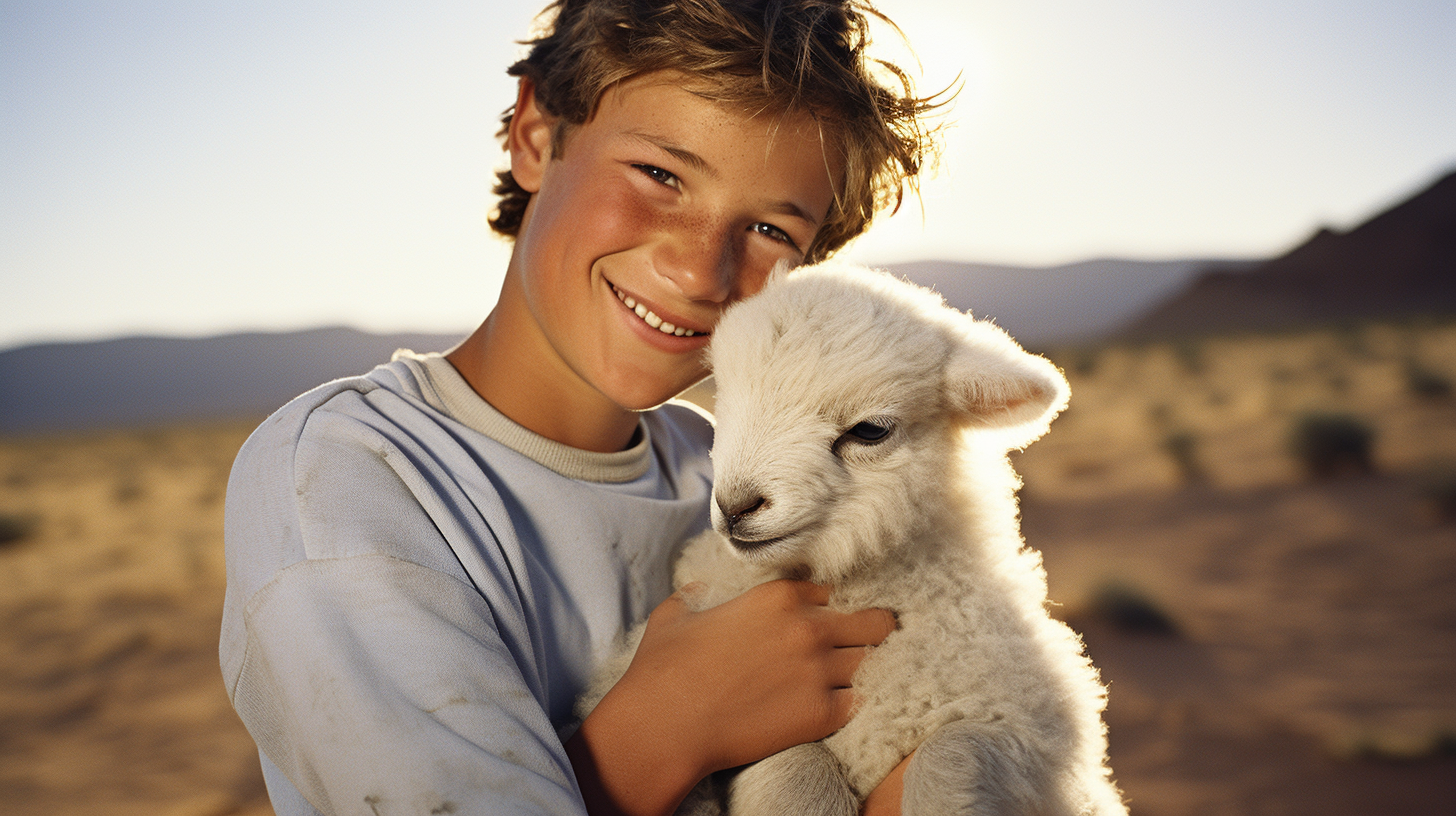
{"x": 529, "y": 138}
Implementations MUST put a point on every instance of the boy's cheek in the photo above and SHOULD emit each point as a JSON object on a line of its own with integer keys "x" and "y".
{"x": 755, "y": 274}
{"x": 626, "y": 217}
{"x": 607, "y": 220}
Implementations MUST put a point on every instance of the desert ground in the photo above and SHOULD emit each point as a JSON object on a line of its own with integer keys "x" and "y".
{"x": 1274, "y": 642}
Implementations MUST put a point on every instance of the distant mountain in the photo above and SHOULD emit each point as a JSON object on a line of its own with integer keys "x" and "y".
{"x": 143, "y": 380}
{"x": 140, "y": 380}
{"x": 1042, "y": 306}
{"x": 1400, "y": 263}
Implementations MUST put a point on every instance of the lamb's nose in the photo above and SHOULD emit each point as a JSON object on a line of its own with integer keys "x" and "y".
{"x": 733, "y": 515}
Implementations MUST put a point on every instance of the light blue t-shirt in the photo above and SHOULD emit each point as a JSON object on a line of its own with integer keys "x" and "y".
{"x": 418, "y": 589}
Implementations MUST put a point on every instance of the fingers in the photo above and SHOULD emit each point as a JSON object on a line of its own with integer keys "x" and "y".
{"x": 794, "y": 593}
{"x": 817, "y": 594}
{"x": 867, "y": 627}
{"x": 842, "y": 703}
{"x": 808, "y": 604}
{"x": 752, "y": 676}
{"x": 841, "y": 664}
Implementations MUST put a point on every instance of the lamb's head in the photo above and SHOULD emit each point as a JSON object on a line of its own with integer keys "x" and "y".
{"x": 843, "y": 398}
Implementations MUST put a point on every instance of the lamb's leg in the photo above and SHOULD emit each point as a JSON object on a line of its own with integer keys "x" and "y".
{"x": 804, "y": 780}
{"x": 975, "y": 769}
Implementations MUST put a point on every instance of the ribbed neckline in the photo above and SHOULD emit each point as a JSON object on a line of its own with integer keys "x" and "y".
{"x": 445, "y": 390}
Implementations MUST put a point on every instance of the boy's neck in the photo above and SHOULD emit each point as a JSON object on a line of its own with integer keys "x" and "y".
{"x": 491, "y": 361}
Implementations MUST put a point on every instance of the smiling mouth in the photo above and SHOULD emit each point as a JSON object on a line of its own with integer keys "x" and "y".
{"x": 651, "y": 318}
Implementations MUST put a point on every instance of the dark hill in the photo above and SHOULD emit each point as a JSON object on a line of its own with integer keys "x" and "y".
{"x": 143, "y": 380}
{"x": 1044, "y": 306}
{"x": 1399, "y": 264}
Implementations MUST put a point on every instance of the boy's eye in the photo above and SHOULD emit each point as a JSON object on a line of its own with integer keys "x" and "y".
{"x": 772, "y": 232}
{"x": 657, "y": 174}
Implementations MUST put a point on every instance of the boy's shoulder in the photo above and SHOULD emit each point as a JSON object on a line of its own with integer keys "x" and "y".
{"x": 399, "y": 411}
{"x": 334, "y": 410}
{"x": 341, "y": 446}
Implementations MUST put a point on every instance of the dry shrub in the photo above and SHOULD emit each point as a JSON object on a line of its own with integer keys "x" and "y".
{"x": 1182, "y": 447}
{"x": 1128, "y": 609}
{"x": 1394, "y": 748}
{"x": 1331, "y": 444}
{"x": 1426, "y": 384}
{"x": 15, "y": 528}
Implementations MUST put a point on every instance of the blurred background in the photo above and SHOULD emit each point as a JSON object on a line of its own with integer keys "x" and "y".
{"x": 1233, "y": 223}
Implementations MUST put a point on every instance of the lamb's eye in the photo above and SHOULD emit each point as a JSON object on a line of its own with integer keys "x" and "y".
{"x": 867, "y": 433}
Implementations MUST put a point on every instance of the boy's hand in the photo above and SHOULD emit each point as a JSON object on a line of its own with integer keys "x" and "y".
{"x": 758, "y": 674}
{"x": 719, "y": 688}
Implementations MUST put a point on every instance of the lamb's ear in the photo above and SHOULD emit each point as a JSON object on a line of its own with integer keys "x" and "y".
{"x": 995, "y": 383}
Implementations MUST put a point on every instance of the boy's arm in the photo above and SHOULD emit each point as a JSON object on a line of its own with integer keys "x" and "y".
{"x": 373, "y": 681}
{"x": 719, "y": 688}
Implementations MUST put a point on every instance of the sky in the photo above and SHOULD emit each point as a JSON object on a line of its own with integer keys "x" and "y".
{"x": 199, "y": 167}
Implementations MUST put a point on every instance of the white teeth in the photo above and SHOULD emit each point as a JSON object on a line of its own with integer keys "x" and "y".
{"x": 651, "y": 318}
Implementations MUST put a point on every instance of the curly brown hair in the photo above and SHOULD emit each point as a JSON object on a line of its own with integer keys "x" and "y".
{"x": 769, "y": 55}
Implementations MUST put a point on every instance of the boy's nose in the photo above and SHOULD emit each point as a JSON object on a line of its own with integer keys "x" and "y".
{"x": 701, "y": 263}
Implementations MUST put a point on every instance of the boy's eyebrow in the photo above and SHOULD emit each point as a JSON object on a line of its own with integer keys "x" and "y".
{"x": 793, "y": 210}
{"x": 682, "y": 154}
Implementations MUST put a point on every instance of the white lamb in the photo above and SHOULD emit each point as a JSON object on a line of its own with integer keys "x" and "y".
{"x": 862, "y": 432}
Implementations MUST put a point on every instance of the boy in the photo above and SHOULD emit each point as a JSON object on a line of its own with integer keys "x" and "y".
{"x": 424, "y": 563}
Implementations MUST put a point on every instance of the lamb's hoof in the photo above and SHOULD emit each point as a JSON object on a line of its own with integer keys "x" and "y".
{"x": 805, "y": 780}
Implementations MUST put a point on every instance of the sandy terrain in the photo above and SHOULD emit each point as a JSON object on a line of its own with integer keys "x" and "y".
{"x": 1311, "y": 667}
{"x": 111, "y": 699}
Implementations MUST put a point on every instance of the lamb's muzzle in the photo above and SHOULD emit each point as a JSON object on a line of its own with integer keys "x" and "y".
{"x": 738, "y": 511}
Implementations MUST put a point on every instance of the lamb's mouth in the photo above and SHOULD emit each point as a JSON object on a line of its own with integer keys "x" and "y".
{"x": 745, "y": 545}
{"x": 650, "y": 318}
{"x": 783, "y": 542}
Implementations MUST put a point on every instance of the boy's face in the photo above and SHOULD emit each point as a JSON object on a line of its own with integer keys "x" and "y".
{"x": 657, "y": 213}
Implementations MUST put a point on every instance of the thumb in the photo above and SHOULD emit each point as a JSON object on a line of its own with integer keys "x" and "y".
{"x": 679, "y": 604}
{"x": 693, "y": 595}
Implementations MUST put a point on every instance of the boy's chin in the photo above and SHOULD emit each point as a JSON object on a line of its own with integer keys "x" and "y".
{"x": 648, "y": 403}
{"x": 647, "y": 399}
